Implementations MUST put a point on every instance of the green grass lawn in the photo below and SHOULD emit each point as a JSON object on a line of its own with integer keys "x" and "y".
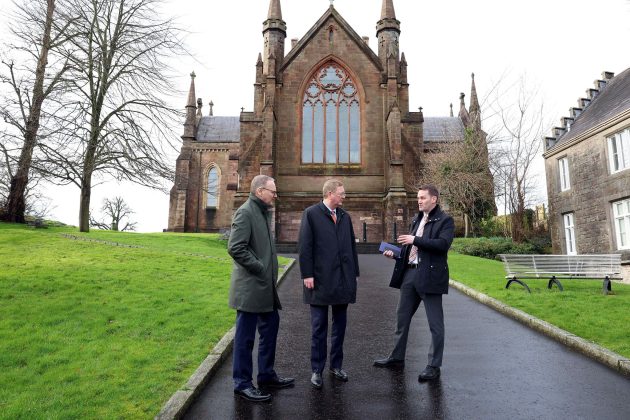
{"x": 89, "y": 329}
{"x": 581, "y": 308}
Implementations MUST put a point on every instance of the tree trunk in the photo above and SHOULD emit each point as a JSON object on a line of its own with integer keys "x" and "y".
{"x": 16, "y": 202}
{"x": 466, "y": 226}
{"x": 84, "y": 207}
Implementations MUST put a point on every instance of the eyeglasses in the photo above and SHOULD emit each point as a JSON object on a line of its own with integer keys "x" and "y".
{"x": 274, "y": 192}
{"x": 342, "y": 195}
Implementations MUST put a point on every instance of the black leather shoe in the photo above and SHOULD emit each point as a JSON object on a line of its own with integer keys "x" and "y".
{"x": 429, "y": 373}
{"x": 316, "y": 380}
{"x": 389, "y": 362}
{"x": 340, "y": 374}
{"x": 252, "y": 394}
{"x": 277, "y": 382}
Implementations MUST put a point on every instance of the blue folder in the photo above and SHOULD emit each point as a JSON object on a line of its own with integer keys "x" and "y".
{"x": 389, "y": 247}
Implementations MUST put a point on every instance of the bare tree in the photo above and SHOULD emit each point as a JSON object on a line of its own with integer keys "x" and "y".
{"x": 39, "y": 30}
{"x": 461, "y": 170}
{"x": 518, "y": 143}
{"x": 116, "y": 210}
{"x": 120, "y": 75}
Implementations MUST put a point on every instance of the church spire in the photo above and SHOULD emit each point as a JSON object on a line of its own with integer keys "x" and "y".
{"x": 475, "y": 110}
{"x": 275, "y": 11}
{"x": 463, "y": 113}
{"x": 474, "y": 102}
{"x": 274, "y": 34}
{"x": 387, "y": 10}
{"x": 388, "y": 32}
{"x": 191, "y": 111}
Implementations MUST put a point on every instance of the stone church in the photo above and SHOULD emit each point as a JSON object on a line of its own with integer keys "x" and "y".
{"x": 330, "y": 108}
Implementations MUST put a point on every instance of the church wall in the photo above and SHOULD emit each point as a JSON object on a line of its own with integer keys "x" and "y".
{"x": 300, "y": 185}
{"x": 201, "y": 218}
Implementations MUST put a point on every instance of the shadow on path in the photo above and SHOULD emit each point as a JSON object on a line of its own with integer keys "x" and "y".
{"x": 494, "y": 367}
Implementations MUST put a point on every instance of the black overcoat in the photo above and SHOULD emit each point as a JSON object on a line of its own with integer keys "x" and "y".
{"x": 431, "y": 276}
{"x": 328, "y": 253}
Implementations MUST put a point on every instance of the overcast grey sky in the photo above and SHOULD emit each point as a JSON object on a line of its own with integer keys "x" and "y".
{"x": 562, "y": 46}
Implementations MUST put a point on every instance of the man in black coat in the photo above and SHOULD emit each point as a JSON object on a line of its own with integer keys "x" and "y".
{"x": 421, "y": 274}
{"x": 330, "y": 268}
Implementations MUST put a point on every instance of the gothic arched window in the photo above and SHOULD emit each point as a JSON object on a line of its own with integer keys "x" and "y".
{"x": 331, "y": 125}
{"x": 212, "y": 190}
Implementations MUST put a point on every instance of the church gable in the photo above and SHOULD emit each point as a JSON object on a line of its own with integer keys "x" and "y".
{"x": 331, "y": 20}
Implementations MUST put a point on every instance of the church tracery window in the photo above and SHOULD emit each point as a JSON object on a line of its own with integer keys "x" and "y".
{"x": 212, "y": 188}
{"x": 331, "y": 118}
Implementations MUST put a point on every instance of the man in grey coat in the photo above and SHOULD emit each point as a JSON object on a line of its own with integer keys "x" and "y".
{"x": 253, "y": 292}
{"x": 330, "y": 269}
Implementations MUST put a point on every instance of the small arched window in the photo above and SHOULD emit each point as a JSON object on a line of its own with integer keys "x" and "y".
{"x": 331, "y": 118}
{"x": 212, "y": 191}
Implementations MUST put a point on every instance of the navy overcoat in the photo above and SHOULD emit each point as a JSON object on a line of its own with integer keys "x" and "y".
{"x": 328, "y": 253}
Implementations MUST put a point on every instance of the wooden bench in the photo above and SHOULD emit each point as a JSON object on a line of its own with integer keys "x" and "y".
{"x": 554, "y": 267}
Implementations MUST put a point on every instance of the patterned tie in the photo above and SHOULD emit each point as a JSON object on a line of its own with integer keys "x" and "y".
{"x": 334, "y": 216}
{"x": 414, "y": 249}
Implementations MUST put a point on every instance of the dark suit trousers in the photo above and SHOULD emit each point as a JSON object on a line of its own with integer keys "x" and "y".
{"x": 319, "y": 328}
{"x": 407, "y": 305}
{"x": 246, "y": 324}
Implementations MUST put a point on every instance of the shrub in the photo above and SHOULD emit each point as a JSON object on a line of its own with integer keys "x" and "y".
{"x": 491, "y": 247}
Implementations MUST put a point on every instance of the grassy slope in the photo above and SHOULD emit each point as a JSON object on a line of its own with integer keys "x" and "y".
{"x": 89, "y": 329}
{"x": 581, "y": 309}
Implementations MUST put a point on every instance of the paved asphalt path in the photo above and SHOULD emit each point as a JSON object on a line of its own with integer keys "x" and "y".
{"x": 494, "y": 367}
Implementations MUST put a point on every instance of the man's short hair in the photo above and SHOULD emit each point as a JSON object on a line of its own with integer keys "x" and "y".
{"x": 331, "y": 186}
{"x": 432, "y": 189}
{"x": 259, "y": 181}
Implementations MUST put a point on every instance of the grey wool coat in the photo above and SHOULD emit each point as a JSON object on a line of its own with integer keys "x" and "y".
{"x": 328, "y": 253}
{"x": 255, "y": 271}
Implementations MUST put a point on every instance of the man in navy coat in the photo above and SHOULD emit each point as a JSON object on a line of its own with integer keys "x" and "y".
{"x": 421, "y": 274}
{"x": 330, "y": 269}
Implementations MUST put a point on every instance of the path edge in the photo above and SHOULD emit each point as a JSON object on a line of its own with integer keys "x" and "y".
{"x": 588, "y": 348}
{"x": 181, "y": 400}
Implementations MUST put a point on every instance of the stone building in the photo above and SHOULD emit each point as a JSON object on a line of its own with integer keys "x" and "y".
{"x": 587, "y": 164}
{"x": 331, "y": 107}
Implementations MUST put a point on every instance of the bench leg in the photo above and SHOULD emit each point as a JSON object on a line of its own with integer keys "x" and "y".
{"x": 553, "y": 280}
{"x": 607, "y": 289}
{"x": 515, "y": 280}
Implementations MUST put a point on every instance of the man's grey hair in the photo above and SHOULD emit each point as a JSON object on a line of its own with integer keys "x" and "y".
{"x": 331, "y": 186}
{"x": 260, "y": 181}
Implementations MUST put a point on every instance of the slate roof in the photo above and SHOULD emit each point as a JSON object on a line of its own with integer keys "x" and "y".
{"x": 219, "y": 129}
{"x": 611, "y": 101}
{"x": 441, "y": 129}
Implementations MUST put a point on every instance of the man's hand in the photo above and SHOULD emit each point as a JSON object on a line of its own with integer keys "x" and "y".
{"x": 309, "y": 282}
{"x": 406, "y": 239}
{"x": 389, "y": 253}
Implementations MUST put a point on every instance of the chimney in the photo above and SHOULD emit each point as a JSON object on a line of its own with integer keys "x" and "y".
{"x": 591, "y": 93}
{"x": 599, "y": 84}
{"x": 607, "y": 75}
{"x": 559, "y": 131}
{"x": 366, "y": 39}
{"x": 575, "y": 112}
{"x": 583, "y": 102}
{"x": 566, "y": 123}
{"x": 294, "y": 42}
{"x": 550, "y": 142}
